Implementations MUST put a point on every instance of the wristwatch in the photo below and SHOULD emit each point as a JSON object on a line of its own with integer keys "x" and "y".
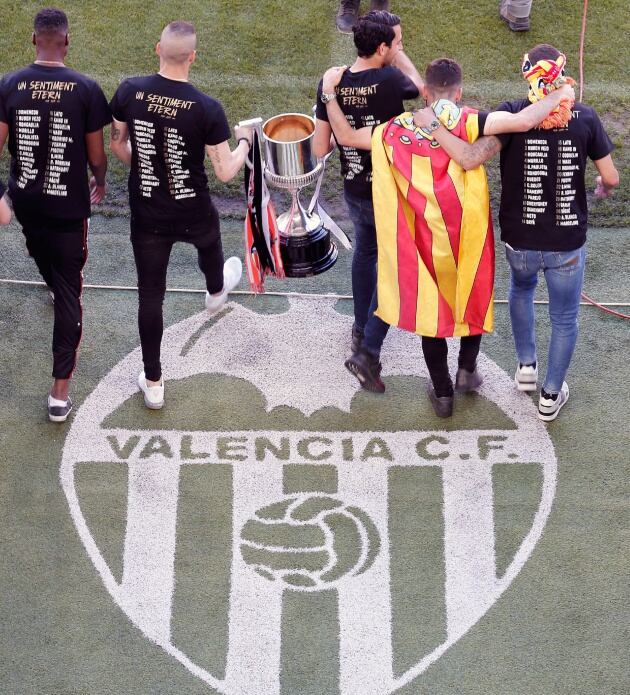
{"x": 328, "y": 97}
{"x": 434, "y": 125}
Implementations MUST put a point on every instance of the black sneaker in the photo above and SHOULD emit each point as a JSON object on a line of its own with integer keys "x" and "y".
{"x": 367, "y": 370}
{"x": 515, "y": 23}
{"x": 442, "y": 405}
{"x": 357, "y": 339}
{"x": 347, "y": 15}
{"x": 59, "y": 413}
{"x": 467, "y": 381}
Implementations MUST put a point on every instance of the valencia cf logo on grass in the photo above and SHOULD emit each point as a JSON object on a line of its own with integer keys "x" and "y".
{"x": 277, "y": 529}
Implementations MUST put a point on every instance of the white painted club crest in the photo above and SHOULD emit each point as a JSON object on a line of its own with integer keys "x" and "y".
{"x": 295, "y": 359}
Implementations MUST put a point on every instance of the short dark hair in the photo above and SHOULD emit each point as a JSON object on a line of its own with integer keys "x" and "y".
{"x": 373, "y": 29}
{"x": 543, "y": 51}
{"x": 50, "y": 21}
{"x": 182, "y": 28}
{"x": 443, "y": 74}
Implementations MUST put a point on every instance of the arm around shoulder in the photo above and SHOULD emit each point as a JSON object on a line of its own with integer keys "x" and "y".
{"x": 468, "y": 156}
{"x": 404, "y": 64}
{"x": 498, "y": 122}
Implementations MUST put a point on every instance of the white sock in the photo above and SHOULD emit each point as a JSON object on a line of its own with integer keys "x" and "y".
{"x": 55, "y": 402}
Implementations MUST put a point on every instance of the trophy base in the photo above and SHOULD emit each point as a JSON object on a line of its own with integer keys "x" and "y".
{"x": 307, "y": 254}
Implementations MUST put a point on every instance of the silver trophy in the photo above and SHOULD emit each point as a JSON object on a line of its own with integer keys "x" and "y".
{"x": 289, "y": 164}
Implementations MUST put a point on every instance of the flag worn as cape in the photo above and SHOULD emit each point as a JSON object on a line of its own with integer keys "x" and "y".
{"x": 434, "y": 230}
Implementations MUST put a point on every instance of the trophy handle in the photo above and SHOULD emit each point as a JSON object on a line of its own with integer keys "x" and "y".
{"x": 313, "y": 204}
{"x": 256, "y": 124}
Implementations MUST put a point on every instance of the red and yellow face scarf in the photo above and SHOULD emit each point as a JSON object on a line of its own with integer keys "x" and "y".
{"x": 544, "y": 77}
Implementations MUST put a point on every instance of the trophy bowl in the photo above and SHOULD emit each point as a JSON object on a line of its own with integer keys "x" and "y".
{"x": 288, "y": 144}
{"x": 305, "y": 242}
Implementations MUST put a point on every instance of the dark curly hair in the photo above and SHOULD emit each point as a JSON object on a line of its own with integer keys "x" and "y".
{"x": 373, "y": 29}
{"x": 543, "y": 51}
{"x": 50, "y": 21}
{"x": 443, "y": 74}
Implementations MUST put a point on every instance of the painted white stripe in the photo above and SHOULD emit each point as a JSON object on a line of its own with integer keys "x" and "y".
{"x": 468, "y": 545}
{"x": 253, "y": 662}
{"x": 147, "y": 584}
{"x": 365, "y": 601}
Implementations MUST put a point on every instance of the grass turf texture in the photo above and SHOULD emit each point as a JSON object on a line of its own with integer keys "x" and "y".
{"x": 266, "y": 58}
{"x": 560, "y": 628}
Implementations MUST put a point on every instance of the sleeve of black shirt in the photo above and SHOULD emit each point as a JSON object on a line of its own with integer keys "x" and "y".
{"x": 3, "y": 115}
{"x": 408, "y": 89}
{"x": 510, "y": 106}
{"x": 99, "y": 113}
{"x": 217, "y": 126}
{"x": 320, "y": 108}
{"x": 599, "y": 144}
{"x": 2, "y": 189}
{"x": 117, "y": 104}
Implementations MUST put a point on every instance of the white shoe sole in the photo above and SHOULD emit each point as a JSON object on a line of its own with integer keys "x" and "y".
{"x": 525, "y": 385}
{"x": 152, "y": 405}
{"x": 59, "y": 418}
{"x": 549, "y": 417}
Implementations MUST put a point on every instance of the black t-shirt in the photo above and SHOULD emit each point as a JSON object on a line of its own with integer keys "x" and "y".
{"x": 543, "y": 194}
{"x": 49, "y": 110}
{"x": 2, "y": 189}
{"x": 367, "y": 98}
{"x": 170, "y": 123}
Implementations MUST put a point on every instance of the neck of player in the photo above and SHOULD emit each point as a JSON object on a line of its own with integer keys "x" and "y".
{"x": 51, "y": 58}
{"x": 360, "y": 64}
{"x": 174, "y": 72}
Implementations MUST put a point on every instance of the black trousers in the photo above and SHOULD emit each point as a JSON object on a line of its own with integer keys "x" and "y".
{"x": 59, "y": 248}
{"x": 152, "y": 246}
{"x": 435, "y": 352}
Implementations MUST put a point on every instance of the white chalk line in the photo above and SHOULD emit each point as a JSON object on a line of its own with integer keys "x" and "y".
{"x": 247, "y": 293}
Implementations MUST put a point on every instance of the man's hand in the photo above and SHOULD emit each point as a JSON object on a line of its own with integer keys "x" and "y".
{"x": 97, "y": 193}
{"x": 332, "y": 77}
{"x": 424, "y": 117}
{"x": 246, "y": 132}
{"x": 602, "y": 191}
{"x": 567, "y": 92}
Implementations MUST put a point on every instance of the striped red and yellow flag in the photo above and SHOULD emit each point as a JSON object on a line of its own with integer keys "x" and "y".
{"x": 434, "y": 229}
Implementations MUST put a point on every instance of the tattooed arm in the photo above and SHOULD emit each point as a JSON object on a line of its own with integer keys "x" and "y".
{"x": 225, "y": 162}
{"x": 470, "y": 156}
{"x": 119, "y": 142}
{"x": 529, "y": 117}
{"x": 466, "y": 155}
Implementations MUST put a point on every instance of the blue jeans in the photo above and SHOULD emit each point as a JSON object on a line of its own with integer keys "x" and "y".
{"x": 564, "y": 274}
{"x": 364, "y": 257}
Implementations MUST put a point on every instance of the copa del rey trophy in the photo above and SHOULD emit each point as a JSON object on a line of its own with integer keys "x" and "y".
{"x": 288, "y": 163}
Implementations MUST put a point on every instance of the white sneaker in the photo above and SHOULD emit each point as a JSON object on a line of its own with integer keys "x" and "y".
{"x": 232, "y": 271}
{"x": 548, "y": 408}
{"x": 526, "y": 377}
{"x": 153, "y": 395}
